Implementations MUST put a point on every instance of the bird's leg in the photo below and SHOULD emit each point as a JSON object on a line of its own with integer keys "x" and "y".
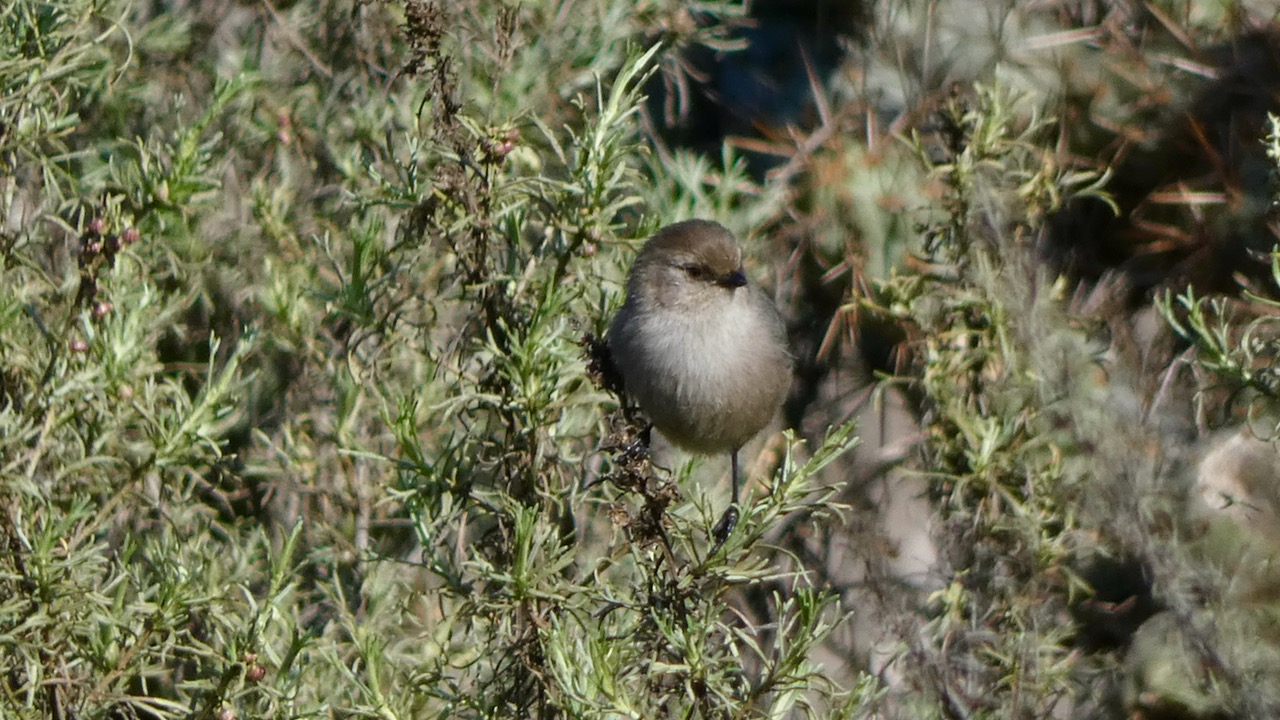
{"x": 729, "y": 520}
{"x": 733, "y": 464}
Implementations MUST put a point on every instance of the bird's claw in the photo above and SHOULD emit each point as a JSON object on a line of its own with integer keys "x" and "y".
{"x": 724, "y": 527}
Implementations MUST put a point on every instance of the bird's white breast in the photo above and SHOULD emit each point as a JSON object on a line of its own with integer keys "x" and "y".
{"x": 709, "y": 379}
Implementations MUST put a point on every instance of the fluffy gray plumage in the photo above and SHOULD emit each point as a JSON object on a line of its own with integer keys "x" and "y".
{"x": 700, "y": 349}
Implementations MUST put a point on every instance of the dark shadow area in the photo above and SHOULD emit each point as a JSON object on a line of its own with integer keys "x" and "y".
{"x": 1195, "y": 200}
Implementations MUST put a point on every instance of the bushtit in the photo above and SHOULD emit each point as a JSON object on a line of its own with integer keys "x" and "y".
{"x": 701, "y": 350}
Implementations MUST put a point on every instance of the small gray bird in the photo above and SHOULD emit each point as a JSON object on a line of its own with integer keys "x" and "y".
{"x": 700, "y": 349}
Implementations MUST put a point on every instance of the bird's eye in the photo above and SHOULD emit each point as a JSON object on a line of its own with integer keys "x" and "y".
{"x": 697, "y": 272}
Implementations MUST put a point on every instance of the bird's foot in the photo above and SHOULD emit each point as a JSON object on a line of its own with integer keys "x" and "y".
{"x": 724, "y": 527}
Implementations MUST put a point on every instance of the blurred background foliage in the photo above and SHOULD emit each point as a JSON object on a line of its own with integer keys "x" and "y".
{"x": 301, "y": 411}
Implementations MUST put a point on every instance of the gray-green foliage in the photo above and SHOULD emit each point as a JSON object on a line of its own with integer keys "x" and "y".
{"x": 299, "y": 416}
{"x": 1042, "y": 463}
{"x": 295, "y": 416}
{"x": 1001, "y": 373}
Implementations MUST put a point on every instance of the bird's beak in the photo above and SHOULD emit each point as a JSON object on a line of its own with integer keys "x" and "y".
{"x": 735, "y": 279}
